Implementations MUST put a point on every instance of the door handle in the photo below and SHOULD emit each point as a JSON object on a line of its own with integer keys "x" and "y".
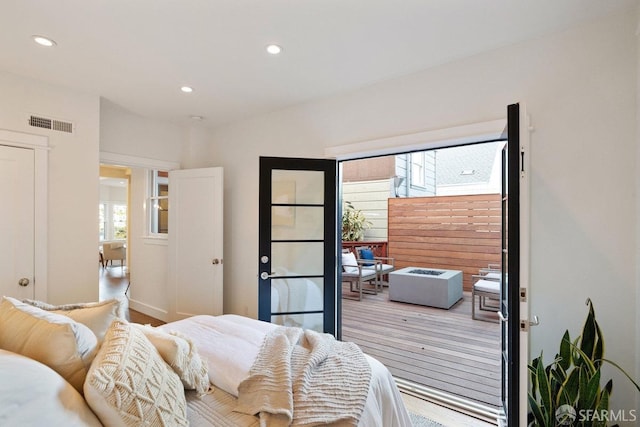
{"x": 264, "y": 275}
{"x": 23, "y": 282}
{"x": 502, "y": 318}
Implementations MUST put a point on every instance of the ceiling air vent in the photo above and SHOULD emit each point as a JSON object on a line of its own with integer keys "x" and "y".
{"x": 46, "y": 123}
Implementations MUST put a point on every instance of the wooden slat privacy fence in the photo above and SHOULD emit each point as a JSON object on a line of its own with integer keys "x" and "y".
{"x": 447, "y": 232}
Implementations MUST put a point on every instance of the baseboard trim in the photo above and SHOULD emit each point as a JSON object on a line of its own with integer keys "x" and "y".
{"x": 149, "y": 310}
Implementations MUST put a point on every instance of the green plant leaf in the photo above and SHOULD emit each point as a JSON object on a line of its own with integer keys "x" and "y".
{"x": 583, "y": 381}
{"x": 533, "y": 375}
{"x": 602, "y": 405}
{"x": 598, "y": 351}
{"x": 592, "y": 391}
{"x": 585, "y": 361}
{"x": 587, "y": 340}
{"x": 571, "y": 386}
{"x": 565, "y": 351}
{"x": 538, "y": 413}
{"x": 544, "y": 388}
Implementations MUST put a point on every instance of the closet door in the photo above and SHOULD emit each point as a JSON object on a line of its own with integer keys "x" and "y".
{"x": 17, "y": 222}
{"x": 195, "y": 242}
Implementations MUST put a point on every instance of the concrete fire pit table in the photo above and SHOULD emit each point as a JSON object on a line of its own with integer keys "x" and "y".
{"x": 426, "y": 286}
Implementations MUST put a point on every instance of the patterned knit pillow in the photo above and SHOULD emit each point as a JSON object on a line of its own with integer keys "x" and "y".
{"x": 129, "y": 384}
{"x": 181, "y": 354}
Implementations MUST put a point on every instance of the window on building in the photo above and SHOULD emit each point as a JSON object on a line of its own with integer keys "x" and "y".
{"x": 418, "y": 169}
{"x": 159, "y": 203}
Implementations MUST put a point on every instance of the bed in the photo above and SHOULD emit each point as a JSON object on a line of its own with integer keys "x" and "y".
{"x": 88, "y": 366}
{"x": 231, "y": 345}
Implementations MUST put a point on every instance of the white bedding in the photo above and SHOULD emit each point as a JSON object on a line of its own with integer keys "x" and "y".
{"x": 230, "y": 345}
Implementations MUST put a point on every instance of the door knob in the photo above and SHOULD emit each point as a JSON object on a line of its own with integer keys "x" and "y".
{"x": 23, "y": 282}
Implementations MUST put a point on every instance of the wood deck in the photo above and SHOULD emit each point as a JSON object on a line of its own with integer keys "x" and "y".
{"x": 442, "y": 349}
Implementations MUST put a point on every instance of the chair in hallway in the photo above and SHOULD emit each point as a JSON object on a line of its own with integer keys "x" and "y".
{"x": 114, "y": 251}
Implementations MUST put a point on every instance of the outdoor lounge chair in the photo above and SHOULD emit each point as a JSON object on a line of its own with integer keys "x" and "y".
{"x": 487, "y": 286}
{"x": 354, "y": 272}
{"x": 382, "y": 265}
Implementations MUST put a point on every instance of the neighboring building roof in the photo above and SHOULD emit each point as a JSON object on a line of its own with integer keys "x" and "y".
{"x": 467, "y": 164}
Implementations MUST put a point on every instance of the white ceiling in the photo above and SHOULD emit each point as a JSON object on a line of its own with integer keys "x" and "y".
{"x": 137, "y": 53}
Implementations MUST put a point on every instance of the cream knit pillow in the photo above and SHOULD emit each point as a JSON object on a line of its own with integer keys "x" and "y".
{"x": 130, "y": 385}
{"x": 64, "y": 345}
{"x": 181, "y": 354}
{"x": 97, "y": 316}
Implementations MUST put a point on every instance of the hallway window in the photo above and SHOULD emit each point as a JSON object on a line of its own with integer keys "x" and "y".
{"x": 112, "y": 222}
{"x": 159, "y": 203}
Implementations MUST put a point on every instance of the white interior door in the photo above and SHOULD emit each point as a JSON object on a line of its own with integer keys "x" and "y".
{"x": 195, "y": 242}
{"x": 17, "y": 222}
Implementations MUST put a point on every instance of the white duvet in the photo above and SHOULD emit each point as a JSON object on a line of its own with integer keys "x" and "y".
{"x": 231, "y": 343}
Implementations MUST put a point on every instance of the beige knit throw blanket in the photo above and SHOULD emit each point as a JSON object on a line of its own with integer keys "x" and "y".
{"x": 305, "y": 378}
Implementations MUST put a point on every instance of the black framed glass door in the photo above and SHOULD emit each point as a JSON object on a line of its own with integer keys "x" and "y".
{"x": 509, "y": 297}
{"x": 297, "y": 243}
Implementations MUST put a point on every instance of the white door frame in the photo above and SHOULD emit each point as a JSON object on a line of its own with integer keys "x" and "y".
{"x": 454, "y": 136}
{"x": 40, "y": 145}
{"x": 117, "y": 159}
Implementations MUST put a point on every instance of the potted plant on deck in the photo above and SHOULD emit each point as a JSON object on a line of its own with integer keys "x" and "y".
{"x": 354, "y": 223}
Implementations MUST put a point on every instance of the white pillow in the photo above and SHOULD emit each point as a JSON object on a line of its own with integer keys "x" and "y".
{"x": 64, "y": 345}
{"x": 97, "y": 316}
{"x": 129, "y": 383}
{"x": 349, "y": 263}
{"x": 181, "y": 354}
{"x": 32, "y": 394}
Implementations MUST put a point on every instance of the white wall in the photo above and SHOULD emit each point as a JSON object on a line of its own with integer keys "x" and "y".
{"x": 579, "y": 87}
{"x": 124, "y": 132}
{"x": 72, "y": 179}
{"x": 142, "y": 141}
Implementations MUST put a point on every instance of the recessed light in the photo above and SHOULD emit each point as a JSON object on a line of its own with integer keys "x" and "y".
{"x": 186, "y": 89}
{"x": 197, "y": 118}
{"x": 274, "y": 49}
{"x": 44, "y": 41}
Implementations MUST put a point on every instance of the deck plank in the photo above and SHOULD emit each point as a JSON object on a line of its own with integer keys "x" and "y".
{"x": 442, "y": 349}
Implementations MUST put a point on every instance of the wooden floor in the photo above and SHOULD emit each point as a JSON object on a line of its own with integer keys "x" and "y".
{"x": 442, "y": 349}
{"x": 113, "y": 282}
